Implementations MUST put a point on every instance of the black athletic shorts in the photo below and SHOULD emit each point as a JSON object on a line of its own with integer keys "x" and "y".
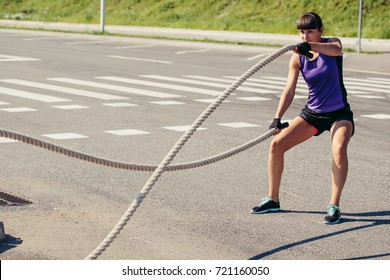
{"x": 324, "y": 121}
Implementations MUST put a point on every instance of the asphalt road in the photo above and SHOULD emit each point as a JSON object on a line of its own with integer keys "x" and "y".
{"x": 130, "y": 100}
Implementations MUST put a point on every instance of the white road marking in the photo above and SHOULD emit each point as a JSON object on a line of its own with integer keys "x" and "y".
{"x": 70, "y": 107}
{"x": 205, "y": 83}
{"x": 6, "y": 58}
{"x": 182, "y": 128}
{"x": 369, "y": 96}
{"x": 62, "y": 89}
{"x": 256, "y": 56}
{"x": 254, "y": 98}
{"x": 377, "y": 116}
{"x": 120, "y": 104}
{"x": 140, "y": 59}
{"x": 135, "y": 46}
{"x": 7, "y": 140}
{"x": 193, "y": 51}
{"x": 126, "y": 132}
{"x": 116, "y": 88}
{"x": 65, "y": 136}
{"x": 19, "y": 109}
{"x": 168, "y": 102}
{"x": 160, "y": 85}
{"x": 238, "y": 124}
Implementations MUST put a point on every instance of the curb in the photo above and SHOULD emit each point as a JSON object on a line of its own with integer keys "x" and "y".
{"x": 372, "y": 45}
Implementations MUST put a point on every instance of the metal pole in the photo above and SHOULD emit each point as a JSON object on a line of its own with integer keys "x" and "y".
{"x": 360, "y": 26}
{"x": 102, "y": 14}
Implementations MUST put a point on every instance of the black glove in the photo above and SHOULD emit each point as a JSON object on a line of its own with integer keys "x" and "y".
{"x": 304, "y": 48}
{"x": 276, "y": 123}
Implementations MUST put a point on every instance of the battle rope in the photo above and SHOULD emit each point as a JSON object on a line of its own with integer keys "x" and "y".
{"x": 176, "y": 148}
{"x": 133, "y": 166}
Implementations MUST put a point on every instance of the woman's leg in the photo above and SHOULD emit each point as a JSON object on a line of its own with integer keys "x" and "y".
{"x": 341, "y": 133}
{"x": 297, "y": 132}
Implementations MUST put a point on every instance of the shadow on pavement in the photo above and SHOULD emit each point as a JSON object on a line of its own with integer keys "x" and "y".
{"x": 9, "y": 243}
{"x": 372, "y": 217}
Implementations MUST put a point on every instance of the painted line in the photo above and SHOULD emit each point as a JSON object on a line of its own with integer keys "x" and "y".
{"x": 140, "y": 59}
{"x": 62, "y": 89}
{"x": 136, "y": 46}
{"x": 31, "y": 95}
{"x": 256, "y": 56}
{"x": 161, "y": 85}
{"x": 120, "y": 104}
{"x": 127, "y": 132}
{"x": 366, "y": 88}
{"x": 366, "y": 72}
{"x": 380, "y": 80}
{"x": 260, "y": 82}
{"x": 193, "y": 51}
{"x": 87, "y": 43}
{"x": 6, "y": 140}
{"x": 228, "y": 82}
{"x": 198, "y": 82}
{"x": 71, "y": 107}
{"x": 369, "y": 96}
{"x": 249, "y": 83}
{"x": 168, "y": 102}
{"x": 182, "y": 128}
{"x": 5, "y": 58}
{"x": 210, "y": 100}
{"x": 377, "y": 116}
{"x": 365, "y": 83}
{"x": 116, "y": 88}
{"x": 65, "y": 136}
{"x": 18, "y": 110}
{"x": 254, "y": 98}
{"x": 238, "y": 125}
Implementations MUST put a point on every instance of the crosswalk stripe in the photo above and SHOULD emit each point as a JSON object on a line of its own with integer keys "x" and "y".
{"x": 140, "y": 59}
{"x": 18, "y": 109}
{"x": 364, "y": 84}
{"x": 4, "y": 57}
{"x": 226, "y": 80}
{"x": 276, "y": 85}
{"x": 366, "y": 88}
{"x": 62, "y": 89}
{"x": 198, "y": 82}
{"x": 31, "y": 95}
{"x": 160, "y": 85}
{"x": 65, "y": 136}
{"x": 281, "y": 83}
{"x": 116, "y": 88}
{"x": 380, "y": 80}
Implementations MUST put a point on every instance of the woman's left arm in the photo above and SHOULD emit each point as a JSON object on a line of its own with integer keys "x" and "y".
{"x": 332, "y": 47}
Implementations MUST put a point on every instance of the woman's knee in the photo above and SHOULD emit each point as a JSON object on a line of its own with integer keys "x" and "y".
{"x": 277, "y": 146}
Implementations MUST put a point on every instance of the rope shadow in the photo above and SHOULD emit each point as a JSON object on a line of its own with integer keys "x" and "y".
{"x": 373, "y": 223}
{"x": 9, "y": 243}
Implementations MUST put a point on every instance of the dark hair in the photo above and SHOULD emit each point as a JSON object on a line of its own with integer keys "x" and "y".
{"x": 310, "y": 21}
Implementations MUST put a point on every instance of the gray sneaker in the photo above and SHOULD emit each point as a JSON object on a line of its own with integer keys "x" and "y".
{"x": 333, "y": 216}
{"x": 267, "y": 204}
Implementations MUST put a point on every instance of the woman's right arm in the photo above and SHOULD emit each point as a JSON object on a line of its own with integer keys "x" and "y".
{"x": 289, "y": 91}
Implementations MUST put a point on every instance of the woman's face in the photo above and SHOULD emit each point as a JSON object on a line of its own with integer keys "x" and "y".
{"x": 310, "y": 35}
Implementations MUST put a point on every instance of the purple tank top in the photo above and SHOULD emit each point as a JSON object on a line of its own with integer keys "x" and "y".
{"x": 324, "y": 78}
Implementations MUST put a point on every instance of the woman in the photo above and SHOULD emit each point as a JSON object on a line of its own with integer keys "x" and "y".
{"x": 326, "y": 109}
